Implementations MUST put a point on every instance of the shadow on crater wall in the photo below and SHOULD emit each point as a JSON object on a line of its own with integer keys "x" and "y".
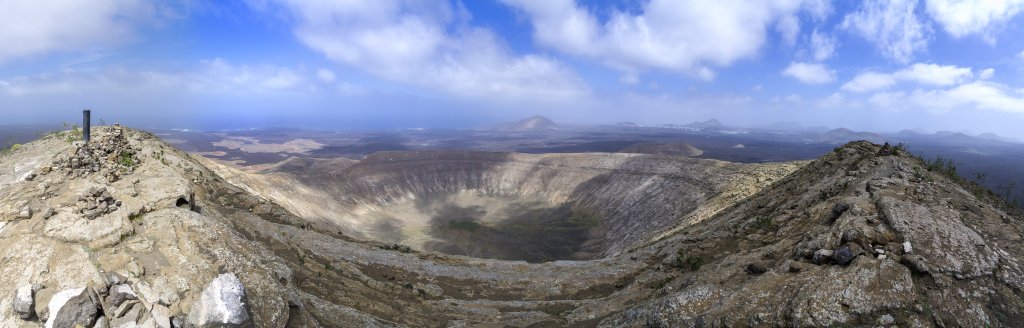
{"x": 530, "y": 232}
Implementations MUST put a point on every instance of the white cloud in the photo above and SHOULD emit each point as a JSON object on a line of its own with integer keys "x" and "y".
{"x": 40, "y": 27}
{"x": 977, "y": 95}
{"x": 1021, "y": 55}
{"x": 932, "y": 74}
{"x": 683, "y": 36}
{"x": 869, "y": 81}
{"x": 834, "y": 100}
{"x": 427, "y": 43}
{"x": 810, "y": 73}
{"x": 986, "y": 73}
{"x": 963, "y": 17}
{"x": 820, "y": 10}
{"x": 892, "y": 26}
{"x": 325, "y": 75}
{"x": 208, "y": 76}
{"x": 926, "y": 74}
{"x": 218, "y": 74}
{"x": 823, "y": 46}
{"x": 789, "y": 28}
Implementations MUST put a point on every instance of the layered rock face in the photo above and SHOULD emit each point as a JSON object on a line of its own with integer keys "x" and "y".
{"x": 860, "y": 237}
{"x": 514, "y": 206}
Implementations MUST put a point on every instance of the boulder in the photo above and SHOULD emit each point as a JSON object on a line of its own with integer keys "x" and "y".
{"x": 222, "y": 304}
{"x": 24, "y": 302}
{"x": 758, "y": 267}
{"x": 73, "y": 307}
{"x": 161, "y": 316}
{"x": 846, "y": 253}
{"x": 821, "y": 256}
{"x": 120, "y": 293}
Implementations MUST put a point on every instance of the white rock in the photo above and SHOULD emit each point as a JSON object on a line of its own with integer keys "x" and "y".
{"x": 881, "y": 256}
{"x": 222, "y": 304}
{"x": 161, "y": 316}
{"x": 25, "y": 213}
{"x": 886, "y": 319}
{"x": 24, "y": 303}
{"x": 907, "y": 248}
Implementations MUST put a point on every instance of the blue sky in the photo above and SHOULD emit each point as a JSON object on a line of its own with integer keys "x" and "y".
{"x": 867, "y": 65}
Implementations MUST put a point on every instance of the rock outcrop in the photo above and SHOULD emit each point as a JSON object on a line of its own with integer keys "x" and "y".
{"x": 855, "y": 238}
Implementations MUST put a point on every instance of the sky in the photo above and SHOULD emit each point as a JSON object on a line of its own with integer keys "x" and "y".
{"x": 870, "y": 65}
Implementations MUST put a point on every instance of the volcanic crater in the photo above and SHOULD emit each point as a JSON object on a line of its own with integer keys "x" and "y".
{"x": 511, "y": 206}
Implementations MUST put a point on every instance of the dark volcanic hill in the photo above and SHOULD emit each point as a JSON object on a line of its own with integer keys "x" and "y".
{"x": 128, "y": 231}
{"x": 675, "y": 149}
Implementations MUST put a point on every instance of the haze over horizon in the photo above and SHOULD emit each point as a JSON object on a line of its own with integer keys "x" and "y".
{"x": 873, "y": 65}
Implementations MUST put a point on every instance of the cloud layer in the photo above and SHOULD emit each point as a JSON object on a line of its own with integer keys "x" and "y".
{"x": 428, "y": 43}
{"x": 666, "y": 60}
{"x": 41, "y": 27}
{"x": 690, "y": 37}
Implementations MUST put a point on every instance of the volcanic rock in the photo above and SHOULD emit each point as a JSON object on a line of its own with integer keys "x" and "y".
{"x": 222, "y": 304}
{"x": 843, "y": 255}
{"x": 24, "y": 302}
{"x": 73, "y": 307}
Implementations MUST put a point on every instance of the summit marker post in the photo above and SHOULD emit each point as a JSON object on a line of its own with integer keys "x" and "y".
{"x": 86, "y": 124}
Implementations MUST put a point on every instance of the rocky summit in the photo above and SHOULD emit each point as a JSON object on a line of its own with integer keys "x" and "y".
{"x": 127, "y": 231}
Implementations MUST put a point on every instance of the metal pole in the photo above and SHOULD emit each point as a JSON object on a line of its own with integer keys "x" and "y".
{"x": 85, "y": 124}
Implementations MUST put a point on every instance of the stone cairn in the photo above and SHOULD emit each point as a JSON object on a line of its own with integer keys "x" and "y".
{"x": 96, "y": 202}
{"x": 110, "y": 155}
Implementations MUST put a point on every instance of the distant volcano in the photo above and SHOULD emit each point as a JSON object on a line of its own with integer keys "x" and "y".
{"x": 534, "y": 123}
{"x": 709, "y": 124}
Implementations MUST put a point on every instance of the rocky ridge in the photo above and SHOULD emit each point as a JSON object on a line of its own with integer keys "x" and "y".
{"x": 863, "y": 236}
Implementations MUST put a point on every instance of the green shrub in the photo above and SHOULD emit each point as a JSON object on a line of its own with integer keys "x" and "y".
{"x": 764, "y": 222}
{"x": 126, "y": 159}
{"x": 687, "y": 263}
{"x": 11, "y": 149}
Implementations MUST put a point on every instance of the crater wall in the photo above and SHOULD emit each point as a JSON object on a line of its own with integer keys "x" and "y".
{"x": 510, "y": 205}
